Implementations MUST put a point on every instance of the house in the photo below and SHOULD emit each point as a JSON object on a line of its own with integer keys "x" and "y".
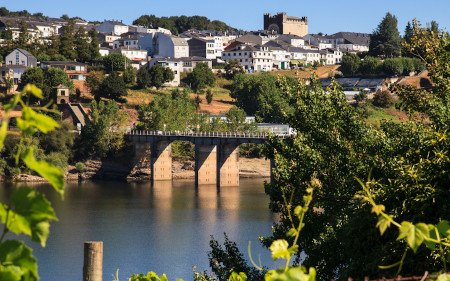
{"x": 330, "y": 56}
{"x": 171, "y": 46}
{"x": 73, "y": 112}
{"x": 113, "y": 27}
{"x": 13, "y": 72}
{"x": 302, "y": 56}
{"x": 251, "y": 58}
{"x": 291, "y": 39}
{"x": 14, "y": 25}
{"x": 280, "y": 56}
{"x": 190, "y": 62}
{"x": 351, "y": 41}
{"x": 107, "y": 39}
{"x": 104, "y": 51}
{"x": 135, "y": 40}
{"x": 132, "y": 53}
{"x": 203, "y": 48}
{"x": 175, "y": 64}
{"x": 21, "y": 57}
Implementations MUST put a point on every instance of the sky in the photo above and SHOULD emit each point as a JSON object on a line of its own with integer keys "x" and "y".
{"x": 327, "y": 16}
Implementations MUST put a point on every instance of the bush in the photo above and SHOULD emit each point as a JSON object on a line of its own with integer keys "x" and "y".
{"x": 383, "y": 99}
{"x": 350, "y": 64}
{"x": 80, "y": 166}
{"x": 370, "y": 66}
{"x": 393, "y": 67}
{"x": 209, "y": 96}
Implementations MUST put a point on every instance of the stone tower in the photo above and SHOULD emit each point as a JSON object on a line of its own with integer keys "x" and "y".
{"x": 62, "y": 94}
{"x": 281, "y": 23}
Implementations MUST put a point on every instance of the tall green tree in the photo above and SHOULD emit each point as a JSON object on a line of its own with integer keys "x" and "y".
{"x": 232, "y": 68}
{"x": 33, "y": 75}
{"x": 385, "y": 40}
{"x": 94, "y": 44}
{"x": 67, "y": 41}
{"x": 200, "y": 77}
{"x": 409, "y": 32}
{"x": 82, "y": 46}
{"x": 143, "y": 78}
{"x": 24, "y": 38}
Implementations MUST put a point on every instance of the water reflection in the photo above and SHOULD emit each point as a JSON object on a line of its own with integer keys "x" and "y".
{"x": 164, "y": 227}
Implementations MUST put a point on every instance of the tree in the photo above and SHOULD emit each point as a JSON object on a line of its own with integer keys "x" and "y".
{"x": 129, "y": 76}
{"x": 24, "y": 38}
{"x": 200, "y": 77}
{"x": 385, "y": 40}
{"x": 175, "y": 113}
{"x": 350, "y": 64}
{"x": 94, "y": 80}
{"x": 409, "y": 32}
{"x": 54, "y": 77}
{"x": 233, "y": 67}
{"x": 159, "y": 75}
{"x": 114, "y": 62}
{"x": 54, "y": 47}
{"x": 103, "y": 134}
{"x": 112, "y": 87}
{"x": 67, "y": 41}
{"x": 82, "y": 46}
{"x": 262, "y": 96}
{"x": 94, "y": 44}
{"x": 383, "y": 99}
{"x": 33, "y": 75}
{"x": 209, "y": 96}
{"x": 143, "y": 78}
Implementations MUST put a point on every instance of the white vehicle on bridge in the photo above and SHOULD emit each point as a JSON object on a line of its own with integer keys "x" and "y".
{"x": 276, "y": 129}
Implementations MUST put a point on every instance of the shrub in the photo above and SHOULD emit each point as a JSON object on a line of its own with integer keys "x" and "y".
{"x": 350, "y": 64}
{"x": 393, "y": 67}
{"x": 383, "y": 99}
{"x": 80, "y": 166}
{"x": 209, "y": 96}
{"x": 370, "y": 66}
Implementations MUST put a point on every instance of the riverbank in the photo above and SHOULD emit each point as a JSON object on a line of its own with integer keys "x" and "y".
{"x": 181, "y": 169}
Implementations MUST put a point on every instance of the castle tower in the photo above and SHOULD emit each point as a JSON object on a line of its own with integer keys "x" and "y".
{"x": 62, "y": 94}
{"x": 282, "y": 23}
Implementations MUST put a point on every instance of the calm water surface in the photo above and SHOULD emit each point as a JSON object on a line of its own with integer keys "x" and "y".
{"x": 164, "y": 228}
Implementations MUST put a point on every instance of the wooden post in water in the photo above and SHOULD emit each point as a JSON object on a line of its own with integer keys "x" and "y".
{"x": 93, "y": 261}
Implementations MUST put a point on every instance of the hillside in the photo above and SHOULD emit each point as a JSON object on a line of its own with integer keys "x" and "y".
{"x": 180, "y": 24}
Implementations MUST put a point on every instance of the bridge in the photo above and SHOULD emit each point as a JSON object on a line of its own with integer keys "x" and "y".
{"x": 216, "y": 153}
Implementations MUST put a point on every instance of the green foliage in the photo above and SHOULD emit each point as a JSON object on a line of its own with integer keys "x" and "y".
{"x": 112, "y": 87}
{"x": 263, "y": 96}
{"x": 143, "y": 78}
{"x": 68, "y": 41}
{"x": 200, "y": 77}
{"x": 94, "y": 80}
{"x": 82, "y": 46}
{"x": 393, "y": 67}
{"x": 168, "y": 113}
{"x": 383, "y": 99}
{"x": 385, "y": 40}
{"x": 370, "y": 66}
{"x": 159, "y": 75}
{"x": 350, "y": 64}
{"x": 209, "y": 96}
{"x": 29, "y": 212}
{"x": 114, "y": 62}
{"x": 79, "y": 166}
{"x": 129, "y": 76}
{"x": 103, "y": 134}
{"x": 232, "y": 68}
{"x": 180, "y": 24}
{"x": 32, "y": 75}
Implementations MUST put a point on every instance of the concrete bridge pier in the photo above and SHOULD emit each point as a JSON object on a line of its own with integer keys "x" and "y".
{"x": 228, "y": 165}
{"x": 205, "y": 164}
{"x": 161, "y": 160}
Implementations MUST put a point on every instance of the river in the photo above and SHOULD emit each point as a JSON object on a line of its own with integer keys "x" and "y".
{"x": 164, "y": 228}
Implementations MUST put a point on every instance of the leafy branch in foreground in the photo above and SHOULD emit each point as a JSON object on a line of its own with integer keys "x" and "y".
{"x": 29, "y": 212}
{"x": 435, "y": 237}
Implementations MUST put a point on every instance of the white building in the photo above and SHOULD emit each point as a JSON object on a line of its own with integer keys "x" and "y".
{"x": 133, "y": 54}
{"x": 112, "y": 27}
{"x": 251, "y": 58}
{"x": 171, "y": 46}
{"x": 21, "y": 57}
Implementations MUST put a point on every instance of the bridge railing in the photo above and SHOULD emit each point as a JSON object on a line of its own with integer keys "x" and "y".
{"x": 256, "y": 135}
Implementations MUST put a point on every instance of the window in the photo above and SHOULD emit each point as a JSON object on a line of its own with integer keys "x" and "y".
{"x": 240, "y": 60}
{"x": 63, "y": 93}
{"x": 175, "y": 72}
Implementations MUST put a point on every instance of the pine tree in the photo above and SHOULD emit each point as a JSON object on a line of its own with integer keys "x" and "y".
{"x": 94, "y": 44}
{"x": 67, "y": 39}
{"x": 409, "y": 32}
{"x": 385, "y": 40}
{"x": 24, "y": 36}
{"x": 54, "y": 46}
{"x": 82, "y": 46}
